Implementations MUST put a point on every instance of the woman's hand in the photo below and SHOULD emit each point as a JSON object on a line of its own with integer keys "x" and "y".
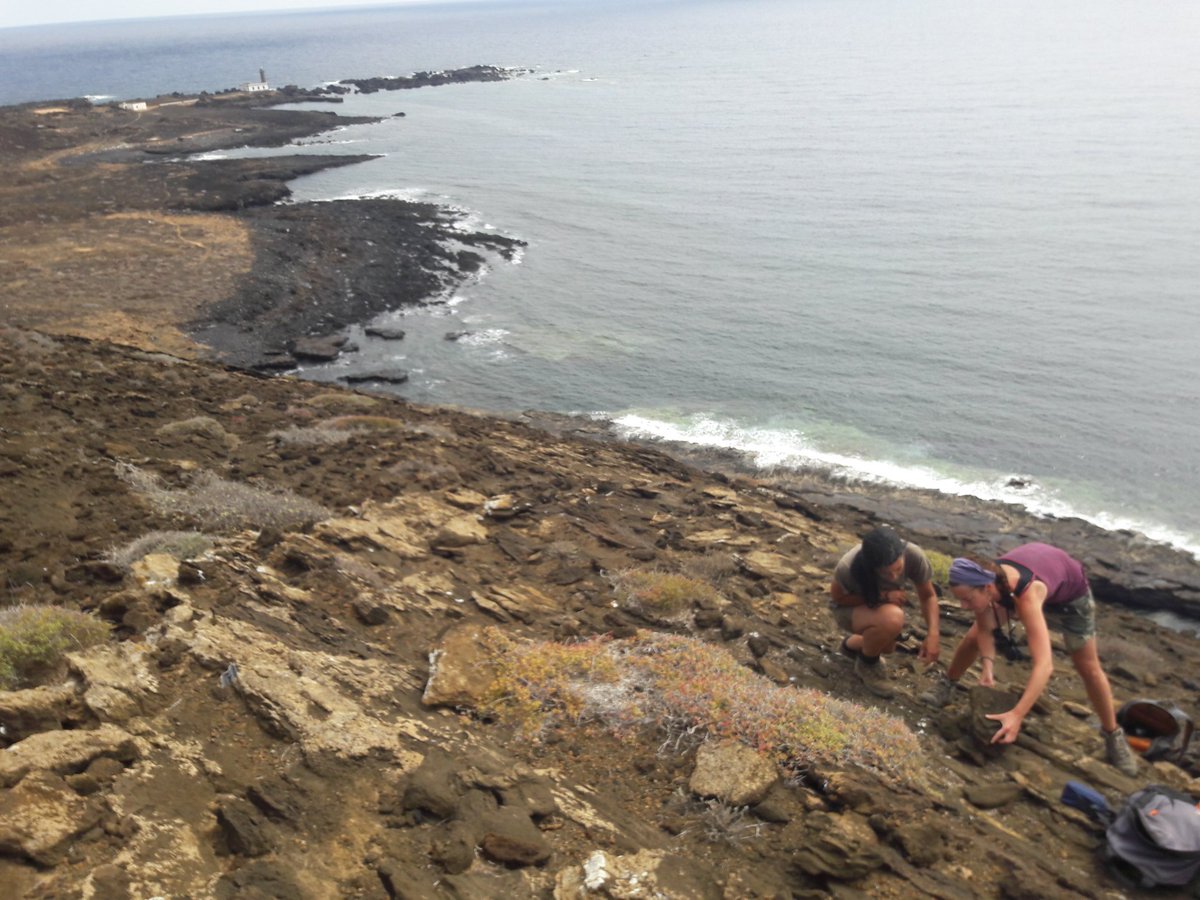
{"x": 931, "y": 649}
{"x": 1010, "y": 726}
{"x": 898, "y": 597}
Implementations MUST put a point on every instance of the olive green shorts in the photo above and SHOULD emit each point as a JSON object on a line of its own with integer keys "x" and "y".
{"x": 1076, "y": 620}
{"x": 842, "y": 615}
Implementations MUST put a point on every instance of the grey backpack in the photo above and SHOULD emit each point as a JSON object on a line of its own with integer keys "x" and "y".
{"x": 1155, "y": 839}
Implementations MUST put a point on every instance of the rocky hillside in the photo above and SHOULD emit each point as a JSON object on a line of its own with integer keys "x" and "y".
{"x": 315, "y": 597}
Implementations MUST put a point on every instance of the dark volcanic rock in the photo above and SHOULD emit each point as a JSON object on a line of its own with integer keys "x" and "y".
{"x": 321, "y": 349}
{"x": 388, "y": 376}
{"x": 431, "y": 79}
{"x": 321, "y": 267}
{"x": 388, "y": 334}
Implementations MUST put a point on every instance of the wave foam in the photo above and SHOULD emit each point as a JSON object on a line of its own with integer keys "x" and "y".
{"x": 789, "y": 449}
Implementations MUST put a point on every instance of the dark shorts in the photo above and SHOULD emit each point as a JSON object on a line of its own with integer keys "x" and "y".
{"x": 1076, "y": 620}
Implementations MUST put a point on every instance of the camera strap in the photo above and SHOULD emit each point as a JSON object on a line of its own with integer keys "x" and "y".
{"x": 1012, "y": 641}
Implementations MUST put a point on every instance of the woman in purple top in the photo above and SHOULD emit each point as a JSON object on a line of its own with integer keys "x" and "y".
{"x": 1038, "y": 585}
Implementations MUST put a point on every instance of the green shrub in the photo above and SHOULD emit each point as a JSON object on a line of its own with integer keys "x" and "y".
{"x": 33, "y": 640}
{"x": 941, "y": 567}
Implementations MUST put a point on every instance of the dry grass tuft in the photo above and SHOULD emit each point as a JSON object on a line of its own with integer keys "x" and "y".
{"x": 220, "y": 505}
{"x": 661, "y": 595}
{"x": 713, "y": 566}
{"x": 672, "y": 683}
{"x": 179, "y": 544}
{"x": 721, "y": 823}
{"x": 200, "y": 427}
{"x": 368, "y": 423}
{"x": 313, "y": 435}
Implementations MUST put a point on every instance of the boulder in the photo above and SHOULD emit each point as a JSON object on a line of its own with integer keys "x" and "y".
{"x": 982, "y": 702}
{"x": 41, "y": 816}
{"x": 838, "y": 846}
{"x": 733, "y": 773}
{"x": 764, "y": 564}
{"x": 381, "y": 331}
{"x": 434, "y": 786}
{"x": 156, "y": 570}
{"x": 993, "y": 796}
{"x": 116, "y": 680}
{"x": 460, "y": 669}
{"x": 319, "y": 349}
{"x": 460, "y": 531}
{"x": 508, "y": 836}
{"x": 47, "y": 708}
{"x": 245, "y": 829}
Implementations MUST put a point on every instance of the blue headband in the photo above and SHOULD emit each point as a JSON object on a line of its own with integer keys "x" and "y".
{"x": 972, "y": 574}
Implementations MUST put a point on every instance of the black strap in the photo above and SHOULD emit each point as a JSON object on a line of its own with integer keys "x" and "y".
{"x": 1024, "y": 576}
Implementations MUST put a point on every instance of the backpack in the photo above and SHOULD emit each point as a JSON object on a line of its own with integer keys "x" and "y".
{"x": 1157, "y": 729}
{"x": 1155, "y": 839}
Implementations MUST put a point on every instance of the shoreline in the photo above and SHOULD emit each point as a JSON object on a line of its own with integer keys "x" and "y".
{"x": 306, "y": 272}
{"x": 1126, "y": 568}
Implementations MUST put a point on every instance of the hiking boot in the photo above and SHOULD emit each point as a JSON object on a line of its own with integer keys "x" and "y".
{"x": 939, "y": 695}
{"x": 1119, "y": 754}
{"x": 845, "y": 648}
{"x": 875, "y": 677}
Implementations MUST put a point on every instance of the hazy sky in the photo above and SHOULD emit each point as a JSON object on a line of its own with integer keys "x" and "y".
{"x": 13, "y": 13}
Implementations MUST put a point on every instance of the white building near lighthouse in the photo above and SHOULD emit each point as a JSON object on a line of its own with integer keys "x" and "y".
{"x": 254, "y": 87}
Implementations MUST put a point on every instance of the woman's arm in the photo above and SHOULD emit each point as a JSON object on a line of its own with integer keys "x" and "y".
{"x": 931, "y": 647}
{"x": 1029, "y": 611}
{"x": 985, "y": 638}
{"x": 843, "y": 597}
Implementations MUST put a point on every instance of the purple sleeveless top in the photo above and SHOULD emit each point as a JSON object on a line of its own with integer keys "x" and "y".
{"x": 1063, "y": 575}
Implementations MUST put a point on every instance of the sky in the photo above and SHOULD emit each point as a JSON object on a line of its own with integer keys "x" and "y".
{"x": 14, "y": 13}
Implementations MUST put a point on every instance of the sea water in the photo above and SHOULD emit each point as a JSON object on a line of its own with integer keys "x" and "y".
{"x": 950, "y": 245}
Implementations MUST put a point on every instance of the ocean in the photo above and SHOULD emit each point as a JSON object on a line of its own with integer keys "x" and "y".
{"x": 947, "y": 245}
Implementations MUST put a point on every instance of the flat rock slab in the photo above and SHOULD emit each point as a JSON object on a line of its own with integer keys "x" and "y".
{"x": 64, "y": 752}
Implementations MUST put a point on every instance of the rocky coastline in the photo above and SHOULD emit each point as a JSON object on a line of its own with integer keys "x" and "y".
{"x": 303, "y": 702}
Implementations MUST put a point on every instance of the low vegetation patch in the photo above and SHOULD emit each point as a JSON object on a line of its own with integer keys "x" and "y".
{"x": 660, "y": 594}
{"x": 202, "y": 427}
{"x": 677, "y": 684}
{"x": 221, "y": 505}
{"x": 714, "y": 567}
{"x": 941, "y": 567}
{"x": 313, "y": 435}
{"x": 33, "y": 640}
{"x": 367, "y": 423}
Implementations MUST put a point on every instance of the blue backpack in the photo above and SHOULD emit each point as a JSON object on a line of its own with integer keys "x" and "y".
{"x": 1155, "y": 839}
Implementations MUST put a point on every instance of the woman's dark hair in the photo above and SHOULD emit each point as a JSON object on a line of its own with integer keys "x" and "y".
{"x": 880, "y": 547}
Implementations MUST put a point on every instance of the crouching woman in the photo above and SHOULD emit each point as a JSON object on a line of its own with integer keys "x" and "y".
{"x": 867, "y": 599}
{"x": 1038, "y": 585}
